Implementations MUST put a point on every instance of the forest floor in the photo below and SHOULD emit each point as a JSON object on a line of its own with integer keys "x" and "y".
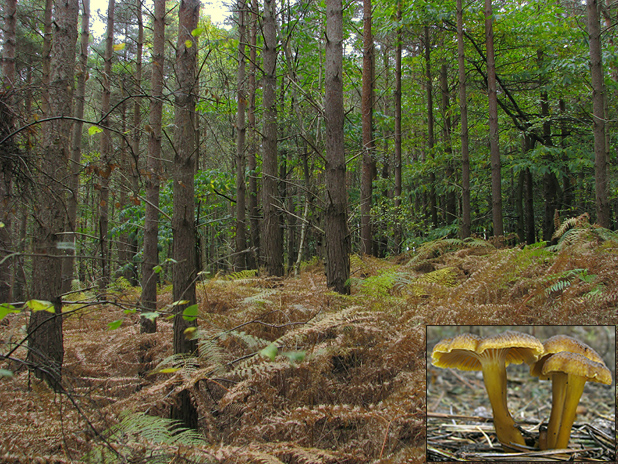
{"x": 290, "y": 372}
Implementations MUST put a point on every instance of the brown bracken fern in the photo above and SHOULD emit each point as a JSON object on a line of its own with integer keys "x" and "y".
{"x": 288, "y": 371}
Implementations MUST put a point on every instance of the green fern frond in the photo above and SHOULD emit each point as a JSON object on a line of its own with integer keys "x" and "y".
{"x": 137, "y": 432}
{"x": 381, "y": 284}
{"x": 155, "y": 430}
{"x": 567, "y": 278}
{"x": 558, "y": 287}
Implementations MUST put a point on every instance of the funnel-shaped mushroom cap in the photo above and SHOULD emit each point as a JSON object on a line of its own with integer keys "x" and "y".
{"x": 559, "y": 343}
{"x": 491, "y": 355}
{"x": 577, "y": 365}
{"x": 466, "y": 351}
{"x": 519, "y": 347}
{"x": 457, "y": 352}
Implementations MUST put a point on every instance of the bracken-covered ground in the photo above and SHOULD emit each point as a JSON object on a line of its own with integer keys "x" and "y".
{"x": 346, "y": 383}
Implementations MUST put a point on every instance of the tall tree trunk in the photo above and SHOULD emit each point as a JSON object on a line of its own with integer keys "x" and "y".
{"x": 272, "y": 236}
{"x": 131, "y": 245}
{"x": 153, "y": 171}
{"x": 598, "y": 114}
{"x": 463, "y": 105}
{"x": 451, "y": 199}
{"x": 106, "y": 167}
{"x": 369, "y": 166}
{"x": 7, "y": 102}
{"x": 241, "y": 223}
{"x": 45, "y": 347}
{"x": 46, "y": 58}
{"x": 397, "y": 102}
{"x": 529, "y": 221}
{"x": 183, "y": 220}
{"x": 252, "y": 197}
{"x": 494, "y": 142}
{"x": 567, "y": 188}
{"x": 551, "y": 186}
{"x": 433, "y": 208}
{"x": 336, "y": 218}
{"x": 76, "y": 147}
{"x": 529, "y": 208}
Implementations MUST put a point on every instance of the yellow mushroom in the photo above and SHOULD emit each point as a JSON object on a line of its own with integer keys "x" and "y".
{"x": 491, "y": 355}
{"x": 571, "y": 371}
{"x": 553, "y": 345}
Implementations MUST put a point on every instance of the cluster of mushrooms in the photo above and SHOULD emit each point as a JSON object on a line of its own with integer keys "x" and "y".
{"x": 567, "y": 362}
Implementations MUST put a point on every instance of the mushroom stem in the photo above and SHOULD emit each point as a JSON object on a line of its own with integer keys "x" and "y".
{"x": 494, "y": 375}
{"x": 559, "y": 380}
{"x": 574, "y": 390}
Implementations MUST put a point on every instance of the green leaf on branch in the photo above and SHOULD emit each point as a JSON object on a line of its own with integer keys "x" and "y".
{"x": 188, "y": 44}
{"x": 40, "y": 305}
{"x": 114, "y": 325}
{"x": 270, "y": 351}
{"x": 157, "y": 269}
{"x": 92, "y": 130}
{"x": 180, "y": 302}
{"x": 6, "y": 373}
{"x": 6, "y": 309}
{"x": 190, "y": 313}
{"x": 197, "y": 32}
{"x": 150, "y": 316}
{"x": 119, "y": 47}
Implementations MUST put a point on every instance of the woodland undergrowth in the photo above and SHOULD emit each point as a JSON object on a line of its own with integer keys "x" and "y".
{"x": 287, "y": 370}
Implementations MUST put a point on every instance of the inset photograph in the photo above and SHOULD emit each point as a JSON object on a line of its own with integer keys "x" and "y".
{"x": 534, "y": 393}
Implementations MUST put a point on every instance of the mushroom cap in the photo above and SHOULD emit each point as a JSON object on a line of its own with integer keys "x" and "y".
{"x": 559, "y": 343}
{"x": 521, "y": 347}
{"x": 466, "y": 351}
{"x": 457, "y": 352}
{"x": 579, "y": 365}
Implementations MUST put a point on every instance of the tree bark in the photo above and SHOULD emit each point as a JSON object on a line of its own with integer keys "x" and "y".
{"x": 463, "y": 105}
{"x": 451, "y": 199}
{"x": 131, "y": 241}
{"x": 46, "y": 58}
{"x": 433, "y": 209}
{"x": 45, "y": 344}
{"x": 397, "y": 103}
{"x": 494, "y": 142}
{"x": 272, "y": 235}
{"x": 598, "y": 114}
{"x": 369, "y": 167}
{"x": 76, "y": 148}
{"x": 241, "y": 223}
{"x": 183, "y": 219}
{"x": 153, "y": 171}
{"x": 336, "y": 218}
{"x": 551, "y": 186}
{"x": 529, "y": 221}
{"x": 252, "y": 197}
{"x": 105, "y": 167}
{"x": 9, "y": 149}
